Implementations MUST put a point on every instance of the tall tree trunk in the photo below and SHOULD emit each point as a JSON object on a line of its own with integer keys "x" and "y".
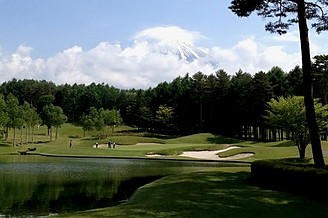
{"x": 50, "y": 133}
{"x": 201, "y": 114}
{"x": 255, "y": 133}
{"x": 325, "y": 130}
{"x": 27, "y": 128}
{"x": 113, "y": 128}
{"x": 14, "y": 138}
{"x": 32, "y": 134}
{"x": 301, "y": 150}
{"x": 56, "y": 133}
{"x": 21, "y": 135}
{"x": 6, "y": 133}
{"x": 308, "y": 87}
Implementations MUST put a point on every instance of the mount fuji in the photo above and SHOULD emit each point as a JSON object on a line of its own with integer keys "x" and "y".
{"x": 185, "y": 51}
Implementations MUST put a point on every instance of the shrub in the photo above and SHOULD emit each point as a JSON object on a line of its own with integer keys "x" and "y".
{"x": 290, "y": 175}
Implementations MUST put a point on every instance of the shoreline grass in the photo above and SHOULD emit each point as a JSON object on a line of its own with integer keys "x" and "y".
{"x": 127, "y": 144}
{"x": 224, "y": 192}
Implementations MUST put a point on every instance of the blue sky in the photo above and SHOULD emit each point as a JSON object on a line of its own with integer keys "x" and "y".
{"x": 84, "y": 41}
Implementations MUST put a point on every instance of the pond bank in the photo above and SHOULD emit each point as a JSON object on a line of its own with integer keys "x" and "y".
{"x": 163, "y": 158}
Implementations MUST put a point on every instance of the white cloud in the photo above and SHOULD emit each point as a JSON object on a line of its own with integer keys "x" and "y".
{"x": 170, "y": 33}
{"x": 20, "y": 64}
{"x": 252, "y": 57}
{"x": 141, "y": 65}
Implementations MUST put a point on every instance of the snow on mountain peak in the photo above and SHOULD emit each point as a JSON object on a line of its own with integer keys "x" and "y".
{"x": 185, "y": 51}
{"x": 175, "y": 41}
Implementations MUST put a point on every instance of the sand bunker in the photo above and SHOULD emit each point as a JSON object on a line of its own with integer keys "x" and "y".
{"x": 143, "y": 143}
{"x": 211, "y": 155}
{"x": 102, "y": 146}
{"x": 148, "y": 143}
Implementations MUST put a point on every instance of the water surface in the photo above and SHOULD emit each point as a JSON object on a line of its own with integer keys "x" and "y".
{"x": 40, "y": 186}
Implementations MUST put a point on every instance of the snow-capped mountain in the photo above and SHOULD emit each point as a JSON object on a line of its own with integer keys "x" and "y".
{"x": 186, "y": 52}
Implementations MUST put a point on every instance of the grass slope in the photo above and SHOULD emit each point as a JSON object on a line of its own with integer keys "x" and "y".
{"x": 219, "y": 192}
{"x": 127, "y": 141}
{"x": 224, "y": 192}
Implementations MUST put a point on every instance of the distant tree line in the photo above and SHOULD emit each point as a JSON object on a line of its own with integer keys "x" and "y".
{"x": 218, "y": 103}
{"x": 282, "y": 14}
{"x": 16, "y": 116}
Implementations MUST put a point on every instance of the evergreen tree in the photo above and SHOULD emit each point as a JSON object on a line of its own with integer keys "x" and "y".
{"x": 320, "y": 68}
{"x": 289, "y": 114}
{"x": 3, "y": 115}
{"x": 14, "y": 111}
{"x": 287, "y": 13}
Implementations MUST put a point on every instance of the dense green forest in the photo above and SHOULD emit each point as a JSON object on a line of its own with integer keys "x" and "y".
{"x": 217, "y": 103}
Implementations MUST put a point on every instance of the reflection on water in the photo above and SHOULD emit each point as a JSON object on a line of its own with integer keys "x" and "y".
{"x": 40, "y": 186}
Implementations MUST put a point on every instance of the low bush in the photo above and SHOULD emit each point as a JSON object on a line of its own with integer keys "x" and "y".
{"x": 73, "y": 136}
{"x": 293, "y": 175}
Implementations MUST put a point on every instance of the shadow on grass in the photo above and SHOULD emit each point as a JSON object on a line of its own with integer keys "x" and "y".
{"x": 145, "y": 133}
{"x": 41, "y": 142}
{"x": 285, "y": 144}
{"x": 222, "y": 140}
{"x": 269, "y": 143}
{"x": 4, "y": 144}
{"x": 160, "y": 136}
{"x": 219, "y": 194}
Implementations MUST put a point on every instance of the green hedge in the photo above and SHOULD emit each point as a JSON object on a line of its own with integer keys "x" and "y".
{"x": 290, "y": 175}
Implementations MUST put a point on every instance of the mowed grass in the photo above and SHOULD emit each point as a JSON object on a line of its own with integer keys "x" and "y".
{"x": 223, "y": 192}
{"x": 134, "y": 144}
{"x": 214, "y": 192}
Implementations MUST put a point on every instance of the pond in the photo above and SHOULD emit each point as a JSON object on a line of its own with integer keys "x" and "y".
{"x": 41, "y": 186}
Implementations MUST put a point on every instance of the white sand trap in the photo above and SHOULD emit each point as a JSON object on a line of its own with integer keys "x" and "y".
{"x": 213, "y": 155}
{"x": 101, "y": 146}
{"x": 154, "y": 155}
{"x": 210, "y": 155}
{"x": 148, "y": 143}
